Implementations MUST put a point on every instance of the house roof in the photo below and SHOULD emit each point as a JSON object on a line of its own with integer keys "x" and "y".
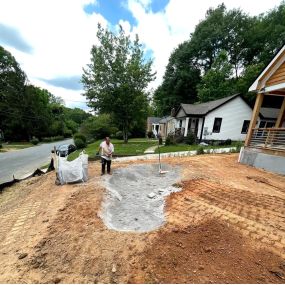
{"x": 153, "y": 120}
{"x": 266, "y": 70}
{"x": 165, "y": 119}
{"x": 205, "y": 108}
{"x": 269, "y": 113}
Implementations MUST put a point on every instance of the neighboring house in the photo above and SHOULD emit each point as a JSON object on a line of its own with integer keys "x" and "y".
{"x": 166, "y": 126}
{"x": 153, "y": 125}
{"x": 222, "y": 119}
{"x": 265, "y": 145}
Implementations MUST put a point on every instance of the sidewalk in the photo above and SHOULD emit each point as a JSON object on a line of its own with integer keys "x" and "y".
{"x": 151, "y": 149}
{"x": 174, "y": 154}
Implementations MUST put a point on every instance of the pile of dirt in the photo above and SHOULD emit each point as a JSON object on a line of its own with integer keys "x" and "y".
{"x": 211, "y": 252}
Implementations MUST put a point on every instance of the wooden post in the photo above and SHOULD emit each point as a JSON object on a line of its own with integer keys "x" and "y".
{"x": 280, "y": 115}
{"x": 255, "y": 113}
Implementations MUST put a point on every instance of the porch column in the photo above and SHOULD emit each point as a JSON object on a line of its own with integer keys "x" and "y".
{"x": 280, "y": 118}
{"x": 186, "y": 127}
{"x": 255, "y": 113}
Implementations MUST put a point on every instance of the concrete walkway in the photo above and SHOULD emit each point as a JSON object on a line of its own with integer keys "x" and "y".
{"x": 174, "y": 154}
{"x": 151, "y": 149}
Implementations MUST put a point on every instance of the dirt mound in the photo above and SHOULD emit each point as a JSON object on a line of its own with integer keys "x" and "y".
{"x": 211, "y": 252}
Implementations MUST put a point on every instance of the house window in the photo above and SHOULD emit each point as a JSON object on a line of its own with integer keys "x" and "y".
{"x": 180, "y": 124}
{"x": 270, "y": 125}
{"x": 217, "y": 125}
{"x": 245, "y": 126}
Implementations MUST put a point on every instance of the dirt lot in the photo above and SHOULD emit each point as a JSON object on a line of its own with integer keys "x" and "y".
{"x": 226, "y": 225}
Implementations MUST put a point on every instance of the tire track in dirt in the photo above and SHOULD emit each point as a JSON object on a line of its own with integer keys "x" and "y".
{"x": 257, "y": 216}
{"x": 15, "y": 224}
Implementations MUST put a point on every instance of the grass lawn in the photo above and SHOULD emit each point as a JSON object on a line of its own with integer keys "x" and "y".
{"x": 133, "y": 147}
{"x": 185, "y": 147}
{"x": 15, "y": 145}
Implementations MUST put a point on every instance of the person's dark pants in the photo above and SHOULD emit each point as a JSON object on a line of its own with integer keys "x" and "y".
{"x": 104, "y": 162}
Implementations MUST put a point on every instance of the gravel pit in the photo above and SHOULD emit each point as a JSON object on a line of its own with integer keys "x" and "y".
{"x": 134, "y": 200}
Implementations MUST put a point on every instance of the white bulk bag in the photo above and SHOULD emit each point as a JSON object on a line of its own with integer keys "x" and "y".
{"x": 73, "y": 171}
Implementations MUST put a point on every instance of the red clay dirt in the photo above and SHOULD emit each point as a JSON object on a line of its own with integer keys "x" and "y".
{"x": 226, "y": 225}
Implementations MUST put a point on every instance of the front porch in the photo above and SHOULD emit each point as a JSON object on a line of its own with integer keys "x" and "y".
{"x": 265, "y": 147}
{"x": 268, "y": 139}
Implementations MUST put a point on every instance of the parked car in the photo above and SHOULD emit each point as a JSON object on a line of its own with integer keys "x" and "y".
{"x": 65, "y": 149}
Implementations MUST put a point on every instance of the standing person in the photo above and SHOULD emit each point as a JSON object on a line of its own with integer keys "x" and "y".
{"x": 106, "y": 150}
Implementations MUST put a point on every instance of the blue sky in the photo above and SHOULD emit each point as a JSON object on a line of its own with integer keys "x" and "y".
{"x": 52, "y": 39}
{"x": 115, "y": 10}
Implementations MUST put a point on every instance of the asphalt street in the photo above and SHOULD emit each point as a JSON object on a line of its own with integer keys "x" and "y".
{"x": 20, "y": 163}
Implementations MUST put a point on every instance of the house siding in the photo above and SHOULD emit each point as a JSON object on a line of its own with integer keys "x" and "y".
{"x": 278, "y": 77}
{"x": 181, "y": 114}
{"x": 233, "y": 114}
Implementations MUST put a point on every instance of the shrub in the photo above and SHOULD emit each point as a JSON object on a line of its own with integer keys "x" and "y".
{"x": 170, "y": 140}
{"x": 52, "y": 139}
{"x": 238, "y": 145}
{"x": 79, "y": 143}
{"x": 119, "y": 135}
{"x": 228, "y": 142}
{"x": 0, "y": 145}
{"x": 34, "y": 141}
{"x": 80, "y": 136}
{"x": 200, "y": 150}
{"x": 179, "y": 139}
{"x": 67, "y": 133}
{"x": 150, "y": 134}
{"x": 190, "y": 139}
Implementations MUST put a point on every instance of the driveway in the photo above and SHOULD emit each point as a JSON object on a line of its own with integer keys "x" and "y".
{"x": 22, "y": 162}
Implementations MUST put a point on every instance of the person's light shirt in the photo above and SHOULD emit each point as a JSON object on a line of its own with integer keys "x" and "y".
{"x": 106, "y": 150}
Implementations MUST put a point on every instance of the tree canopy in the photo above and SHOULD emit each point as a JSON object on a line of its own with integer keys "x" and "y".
{"x": 223, "y": 56}
{"x": 28, "y": 111}
{"x": 116, "y": 79}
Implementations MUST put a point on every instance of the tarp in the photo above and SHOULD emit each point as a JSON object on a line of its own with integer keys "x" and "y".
{"x": 72, "y": 171}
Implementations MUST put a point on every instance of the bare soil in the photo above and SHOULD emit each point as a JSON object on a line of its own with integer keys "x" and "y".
{"x": 226, "y": 225}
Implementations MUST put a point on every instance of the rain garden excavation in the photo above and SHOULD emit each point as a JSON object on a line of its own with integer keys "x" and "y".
{"x": 224, "y": 225}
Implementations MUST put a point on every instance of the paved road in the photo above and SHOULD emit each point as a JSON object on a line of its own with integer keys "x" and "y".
{"x": 22, "y": 162}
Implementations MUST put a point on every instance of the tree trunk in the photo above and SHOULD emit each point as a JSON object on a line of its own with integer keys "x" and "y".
{"x": 125, "y": 134}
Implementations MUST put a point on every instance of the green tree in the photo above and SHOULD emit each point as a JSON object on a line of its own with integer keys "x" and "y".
{"x": 179, "y": 81}
{"x": 12, "y": 95}
{"x": 38, "y": 115}
{"x": 217, "y": 82}
{"x": 98, "y": 127}
{"x": 116, "y": 79}
{"x": 76, "y": 115}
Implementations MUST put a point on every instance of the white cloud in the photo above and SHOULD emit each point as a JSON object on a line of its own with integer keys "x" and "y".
{"x": 162, "y": 32}
{"x": 61, "y": 33}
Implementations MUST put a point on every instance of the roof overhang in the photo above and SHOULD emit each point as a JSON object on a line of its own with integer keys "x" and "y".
{"x": 275, "y": 88}
{"x": 275, "y": 63}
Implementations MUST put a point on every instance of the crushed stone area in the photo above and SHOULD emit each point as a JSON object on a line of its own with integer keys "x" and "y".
{"x": 225, "y": 225}
{"x": 135, "y": 197}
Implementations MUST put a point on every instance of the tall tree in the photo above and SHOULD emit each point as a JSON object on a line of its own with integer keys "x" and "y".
{"x": 217, "y": 82}
{"x": 12, "y": 94}
{"x": 179, "y": 81}
{"x": 116, "y": 79}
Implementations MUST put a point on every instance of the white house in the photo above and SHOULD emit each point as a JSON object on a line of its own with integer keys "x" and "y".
{"x": 153, "y": 125}
{"x": 222, "y": 119}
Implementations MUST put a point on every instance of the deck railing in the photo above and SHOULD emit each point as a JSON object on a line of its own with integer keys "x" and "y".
{"x": 268, "y": 138}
